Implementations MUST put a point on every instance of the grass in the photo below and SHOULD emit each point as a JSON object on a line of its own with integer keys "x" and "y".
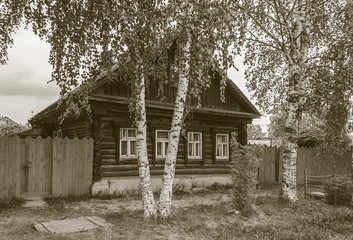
{"x": 205, "y": 217}
{"x": 13, "y": 203}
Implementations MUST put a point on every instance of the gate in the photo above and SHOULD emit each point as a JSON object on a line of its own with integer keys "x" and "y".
{"x": 36, "y": 167}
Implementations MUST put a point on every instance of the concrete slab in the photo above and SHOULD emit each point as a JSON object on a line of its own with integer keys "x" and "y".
{"x": 126, "y": 185}
{"x": 72, "y": 225}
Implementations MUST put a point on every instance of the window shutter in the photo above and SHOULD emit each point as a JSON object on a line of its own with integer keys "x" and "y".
{"x": 117, "y": 141}
{"x": 186, "y": 154}
{"x": 214, "y": 144}
{"x": 153, "y": 136}
{"x": 203, "y": 139}
{"x": 230, "y": 145}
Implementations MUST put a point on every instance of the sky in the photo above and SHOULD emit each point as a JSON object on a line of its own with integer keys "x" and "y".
{"x": 24, "y": 87}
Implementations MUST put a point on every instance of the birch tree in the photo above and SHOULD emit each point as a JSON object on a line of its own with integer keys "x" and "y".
{"x": 283, "y": 38}
{"x": 206, "y": 45}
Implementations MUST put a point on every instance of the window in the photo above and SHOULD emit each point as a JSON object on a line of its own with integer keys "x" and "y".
{"x": 194, "y": 145}
{"x": 128, "y": 142}
{"x": 222, "y": 146}
{"x": 162, "y": 140}
{"x": 58, "y": 134}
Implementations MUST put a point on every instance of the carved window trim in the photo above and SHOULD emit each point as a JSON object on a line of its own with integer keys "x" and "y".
{"x": 224, "y": 147}
{"x": 128, "y": 139}
{"x": 195, "y": 146}
{"x": 164, "y": 144}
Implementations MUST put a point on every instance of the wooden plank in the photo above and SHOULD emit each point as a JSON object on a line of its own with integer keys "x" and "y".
{"x": 39, "y": 164}
{"x": 13, "y": 166}
{"x": 82, "y": 166}
{"x": 32, "y": 168}
{"x": 60, "y": 164}
{"x": 74, "y": 160}
{"x": 70, "y": 168}
{"x": 10, "y": 172}
{"x": 84, "y": 182}
{"x": 78, "y": 166}
{"x": 75, "y": 169}
{"x": 55, "y": 168}
{"x": 65, "y": 168}
{"x": 49, "y": 157}
{"x": 90, "y": 158}
{"x": 2, "y": 169}
{"x": 6, "y": 166}
{"x": 18, "y": 166}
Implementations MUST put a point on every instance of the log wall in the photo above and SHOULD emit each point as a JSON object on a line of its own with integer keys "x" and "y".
{"x": 109, "y": 164}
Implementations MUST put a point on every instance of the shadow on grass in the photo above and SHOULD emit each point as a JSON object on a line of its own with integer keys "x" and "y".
{"x": 11, "y": 203}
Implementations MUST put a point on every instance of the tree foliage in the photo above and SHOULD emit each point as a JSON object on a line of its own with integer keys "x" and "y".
{"x": 11, "y": 129}
{"x": 291, "y": 54}
{"x": 254, "y": 132}
{"x": 311, "y": 131}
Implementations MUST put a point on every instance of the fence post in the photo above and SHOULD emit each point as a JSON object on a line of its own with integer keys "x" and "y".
{"x": 305, "y": 183}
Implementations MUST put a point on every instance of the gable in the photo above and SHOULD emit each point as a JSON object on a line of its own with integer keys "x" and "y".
{"x": 6, "y": 121}
{"x": 235, "y": 100}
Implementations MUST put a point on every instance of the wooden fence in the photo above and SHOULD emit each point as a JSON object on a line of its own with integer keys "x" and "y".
{"x": 270, "y": 171}
{"x": 45, "y": 167}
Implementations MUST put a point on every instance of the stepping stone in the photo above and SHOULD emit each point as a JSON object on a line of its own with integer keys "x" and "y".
{"x": 72, "y": 225}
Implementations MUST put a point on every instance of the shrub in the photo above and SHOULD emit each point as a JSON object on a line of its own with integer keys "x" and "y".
{"x": 339, "y": 190}
{"x": 244, "y": 165}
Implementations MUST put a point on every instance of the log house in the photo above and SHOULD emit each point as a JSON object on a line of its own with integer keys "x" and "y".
{"x": 204, "y": 146}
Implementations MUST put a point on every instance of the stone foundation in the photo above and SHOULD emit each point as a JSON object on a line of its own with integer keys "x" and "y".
{"x": 130, "y": 185}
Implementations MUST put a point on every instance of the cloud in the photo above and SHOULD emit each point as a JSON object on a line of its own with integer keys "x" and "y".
{"x": 27, "y": 71}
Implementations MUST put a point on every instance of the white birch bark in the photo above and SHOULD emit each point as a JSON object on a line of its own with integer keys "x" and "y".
{"x": 165, "y": 200}
{"x": 297, "y": 60}
{"x": 141, "y": 144}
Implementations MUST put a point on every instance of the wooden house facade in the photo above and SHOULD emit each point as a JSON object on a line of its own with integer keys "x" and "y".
{"x": 204, "y": 146}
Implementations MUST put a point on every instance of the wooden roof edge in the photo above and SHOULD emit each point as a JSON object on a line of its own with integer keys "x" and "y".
{"x": 170, "y": 106}
{"x": 99, "y": 81}
{"x": 244, "y": 98}
{"x": 51, "y": 107}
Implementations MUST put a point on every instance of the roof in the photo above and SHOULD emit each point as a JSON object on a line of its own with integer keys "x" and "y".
{"x": 7, "y": 120}
{"x": 101, "y": 80}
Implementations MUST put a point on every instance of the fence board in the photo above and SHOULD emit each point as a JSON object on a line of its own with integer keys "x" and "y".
{"x": 6, "y": 167}
{"x": 307, "y": 159}
{"x": 61, "y": 167}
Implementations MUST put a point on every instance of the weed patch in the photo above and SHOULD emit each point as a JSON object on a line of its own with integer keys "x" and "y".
{"x": 12, "y": 203}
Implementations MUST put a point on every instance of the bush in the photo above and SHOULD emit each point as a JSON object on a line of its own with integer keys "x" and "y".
{"x": 244, "y": 165}
{"x": 339, "y": 190}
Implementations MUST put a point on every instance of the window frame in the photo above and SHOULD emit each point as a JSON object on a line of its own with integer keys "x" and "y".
{"x": 222, "y": 143}
{"x": 163, "y": 141}
{"x": 58, "y": 134}
{"x": 194, "y": 142}
{"x": 128, "y": 145}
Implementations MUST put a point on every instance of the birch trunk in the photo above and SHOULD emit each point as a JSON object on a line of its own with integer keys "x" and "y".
{"x": 165, "y": 200}
{"x": 141, "y": 144}
{"x": 295, "y": 101}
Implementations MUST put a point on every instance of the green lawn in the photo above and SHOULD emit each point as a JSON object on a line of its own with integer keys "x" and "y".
{"x": 201, "y": 216}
